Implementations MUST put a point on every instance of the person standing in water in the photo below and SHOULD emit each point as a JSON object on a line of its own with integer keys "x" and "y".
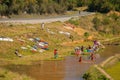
{"x": 55, "y": 53}
{"x": 92, "y": 57}
{"x": 80, "y": 59}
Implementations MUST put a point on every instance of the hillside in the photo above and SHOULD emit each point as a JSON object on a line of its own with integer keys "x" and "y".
{"x": 63, "y": 36}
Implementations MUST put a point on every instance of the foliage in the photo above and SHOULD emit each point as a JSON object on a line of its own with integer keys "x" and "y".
{"x": 75, "y": 22}
{"x": 104, "y": 5}
{"x": 8, "y": 7}
{"x": 106, "y": 21}
{"x": 94, "y": 74}
{"x": 102, "y": 77}
{"x": 107, "y": 24}
{"x": 86, "y": 34}
{"x": 86, "y": 76}
{"x": 114, "y": 16}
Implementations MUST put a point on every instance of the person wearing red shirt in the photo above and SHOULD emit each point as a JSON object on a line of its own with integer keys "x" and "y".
{"x": 55, "y": 53}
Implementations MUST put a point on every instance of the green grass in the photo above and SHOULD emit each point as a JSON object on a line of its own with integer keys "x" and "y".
{"x": 94, "y": 74}
{"x": 27, "y": 31}
{"x": 114, "y": 71}
{"x": 53, "y": 59}
{"x": 8, "y": 75}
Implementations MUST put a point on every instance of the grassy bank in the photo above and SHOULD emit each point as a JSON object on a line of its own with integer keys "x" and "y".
{"x": 114, "y": 71}
{"x": 113, "y": 66}
{"x": 21, "y": 34}
{"x": 110, "y": 69}
{"x": 94, "y": 74}
{"x": 8, "y": 75}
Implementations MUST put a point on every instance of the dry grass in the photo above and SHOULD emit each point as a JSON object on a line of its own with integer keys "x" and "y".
{"x": 25, "y": 32}
{"x": 8, "y": 75}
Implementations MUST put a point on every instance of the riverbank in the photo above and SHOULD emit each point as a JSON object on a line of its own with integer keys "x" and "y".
{"x": 111, "y": 66}
{"x": 8, "y": 75}
{"x": 108, "y": 69}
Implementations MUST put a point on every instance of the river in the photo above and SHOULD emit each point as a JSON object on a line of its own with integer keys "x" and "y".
{"x": 68, "y": 69}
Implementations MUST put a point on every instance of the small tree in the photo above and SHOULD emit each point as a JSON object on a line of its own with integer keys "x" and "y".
{"x": 75, "y": 22}
{"x": 86, "y": 35}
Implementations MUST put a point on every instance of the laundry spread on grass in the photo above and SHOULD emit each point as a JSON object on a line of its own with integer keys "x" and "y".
{"x": 65, "y": 33}
{"x": 37, "y": 46}
{"x": 6, "y": 39}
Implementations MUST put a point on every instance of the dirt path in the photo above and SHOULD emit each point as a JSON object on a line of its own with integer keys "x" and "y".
{"x": 45, "y": 20}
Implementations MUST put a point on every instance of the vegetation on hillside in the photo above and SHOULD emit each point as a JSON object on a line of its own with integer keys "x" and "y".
{"x": 107, "y": 24}
{"x": 9, "y": 7}
{"x": 104, "y": 24}
{"x": 104, "y": 5}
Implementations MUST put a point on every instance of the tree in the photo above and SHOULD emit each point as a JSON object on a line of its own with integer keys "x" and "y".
{"x": 3, "y": 9}
{"x": 71, "y": 4}
{"x": 104, "y": 6}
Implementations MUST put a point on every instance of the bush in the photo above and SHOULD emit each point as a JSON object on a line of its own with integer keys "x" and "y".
{"x": 106, "y": 21}
{"x": 75, "y": 22}
{"x": 86, "y": 76}
{"x": 86, "y": 34}
{"x": 114, "y": 16}
{"x": 102, "y": 77}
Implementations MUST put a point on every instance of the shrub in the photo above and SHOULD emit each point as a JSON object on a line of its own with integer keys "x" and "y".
{"x": 75, "y": 22}
{"x": 86, "y": 76}
{"x": 106, "y": 21}
{"x": 86, "y": 34}
{"x": 114, "y": 16}
{"x": 102, "y": 77}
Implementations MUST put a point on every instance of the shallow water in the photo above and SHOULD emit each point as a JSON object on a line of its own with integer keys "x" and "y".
{"x": 68, "y": 69}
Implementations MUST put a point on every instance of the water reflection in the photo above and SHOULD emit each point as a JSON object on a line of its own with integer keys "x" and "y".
{"x": 74, "y": 69}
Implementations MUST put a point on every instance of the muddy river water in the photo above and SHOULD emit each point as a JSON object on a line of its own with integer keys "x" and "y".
{"x": 68, "y": 69}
